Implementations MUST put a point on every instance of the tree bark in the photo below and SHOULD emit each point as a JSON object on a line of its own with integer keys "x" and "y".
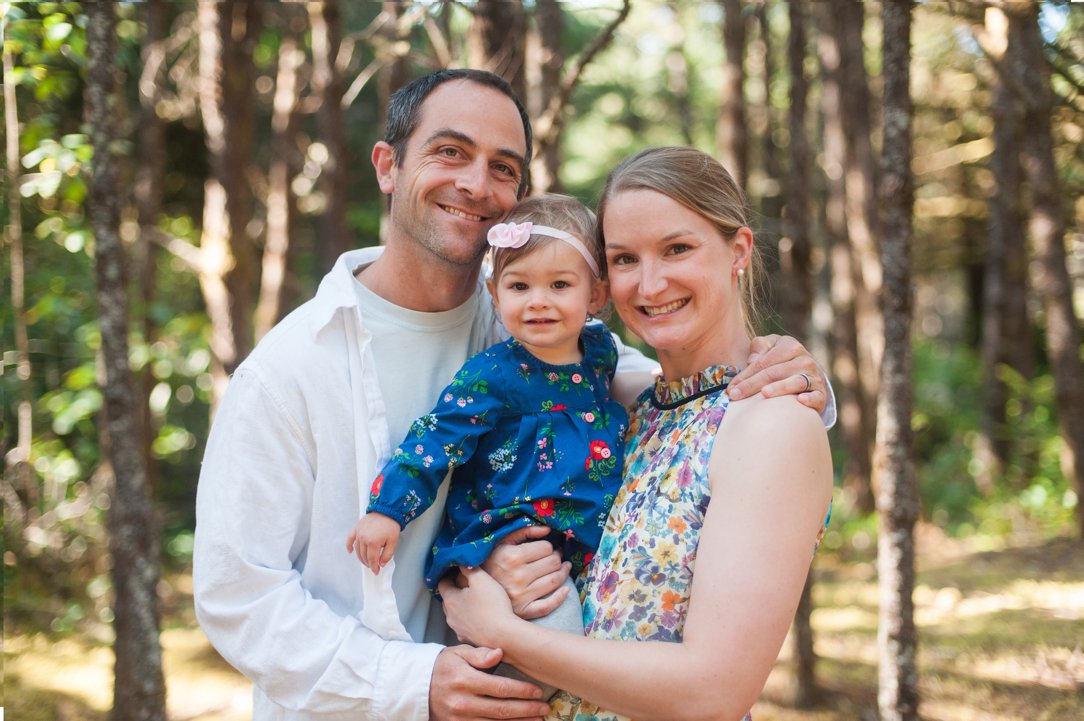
{"x": 545, "y": 59}
{"x": 497, "y": 40}
{"x": 850, "y": 394}
{"x": 139, "y": 688}
{"x": 795, "y": 251}
{"x": 860, "y": 179}
{"x": 731, "y": 135}
{"x": 897, "y": 495}
{"x": 333, "y": 237}
{"x": 280, "y": 202}
{"x": 1046, "y": 226}
{"x": 227, "y": 257}
{"x": 18, "y": 471}
{"x": 1006, "y": 333}
{"x": 150, "y": 173}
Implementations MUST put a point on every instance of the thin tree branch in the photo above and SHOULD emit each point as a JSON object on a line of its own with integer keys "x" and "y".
{"x": 548, "y": 123}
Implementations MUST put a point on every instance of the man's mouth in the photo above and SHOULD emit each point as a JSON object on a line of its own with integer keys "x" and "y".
{"x": 461, "y": 213}
{"x": 655, "y": 310}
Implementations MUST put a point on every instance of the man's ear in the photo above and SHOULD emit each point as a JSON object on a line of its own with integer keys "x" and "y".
{"x": 384, "y": 163}
{"x": 600, "y": 293}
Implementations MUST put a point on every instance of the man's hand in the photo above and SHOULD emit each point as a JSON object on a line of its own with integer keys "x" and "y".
{"x": 460, "y": 691}
{"x": 779, "y": 366}
{"x": 530, "y": 570}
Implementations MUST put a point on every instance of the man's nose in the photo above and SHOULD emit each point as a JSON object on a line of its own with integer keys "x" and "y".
{"x": 474, "y": 180}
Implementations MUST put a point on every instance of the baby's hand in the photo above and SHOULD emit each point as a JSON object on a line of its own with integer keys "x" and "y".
{"x": 374, "y": 540}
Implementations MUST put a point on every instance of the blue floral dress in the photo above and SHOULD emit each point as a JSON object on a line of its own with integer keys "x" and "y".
{"x": 638, "y": 586}
{"x": 531, "y": 443}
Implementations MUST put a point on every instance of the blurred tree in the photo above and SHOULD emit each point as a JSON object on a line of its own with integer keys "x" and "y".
{"x": 855, "y": 425}
{"x": 796, "y": 297}
{"x": 545, "y": 59}
{"x": 1046, "y": 225}
{"x": 150, "y": 174}
{"x": 285, "y": 162}
{"x": 325, "y": 20}
{"x": 497, "y": 41}
{"x": 139, "y": 685}
{"x": 897, "y": 495}
{"x": 1006, "y": 328}
{"x": 731, "y": 133}
{"x": 18, "y": 474}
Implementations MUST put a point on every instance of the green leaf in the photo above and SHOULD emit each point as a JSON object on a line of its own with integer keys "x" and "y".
{"x": 58, "y": 32}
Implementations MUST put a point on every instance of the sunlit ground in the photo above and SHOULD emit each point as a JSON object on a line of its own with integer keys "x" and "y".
{"x": 1002, "y": 638}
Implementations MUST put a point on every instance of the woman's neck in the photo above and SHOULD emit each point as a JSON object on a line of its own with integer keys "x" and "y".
{"x": 719, "y": 350}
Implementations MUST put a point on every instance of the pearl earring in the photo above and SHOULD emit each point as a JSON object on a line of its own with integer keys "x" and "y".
{"x": 741, "y": 276}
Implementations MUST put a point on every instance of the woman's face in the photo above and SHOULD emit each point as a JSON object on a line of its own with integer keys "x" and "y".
{"x": 673, "y": 279}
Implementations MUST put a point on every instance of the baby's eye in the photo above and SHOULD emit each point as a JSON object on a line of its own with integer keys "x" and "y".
{"x": 517, "y": 286}
{"x": 560, "y": 284}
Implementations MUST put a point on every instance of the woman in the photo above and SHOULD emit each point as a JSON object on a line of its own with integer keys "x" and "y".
{"x": 680, "y": 255}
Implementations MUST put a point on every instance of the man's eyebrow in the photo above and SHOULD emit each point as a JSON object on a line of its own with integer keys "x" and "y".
{"x": 467, "y": 140}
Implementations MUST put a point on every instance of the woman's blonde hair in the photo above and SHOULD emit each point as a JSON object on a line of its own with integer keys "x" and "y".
{"x": 700, "y": 183}
{"x": 562, "y": 212}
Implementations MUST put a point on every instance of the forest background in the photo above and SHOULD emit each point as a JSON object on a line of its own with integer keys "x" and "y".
{"x": 237, "y": 139}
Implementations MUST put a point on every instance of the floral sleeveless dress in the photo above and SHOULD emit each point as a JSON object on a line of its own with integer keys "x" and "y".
{"x": 638, "y": 585}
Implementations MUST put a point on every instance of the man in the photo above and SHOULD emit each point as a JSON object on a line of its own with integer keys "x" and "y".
{"x": 312, "y": 414}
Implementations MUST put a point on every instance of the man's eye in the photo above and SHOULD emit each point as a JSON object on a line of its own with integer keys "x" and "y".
{"x": 506, "y": 170}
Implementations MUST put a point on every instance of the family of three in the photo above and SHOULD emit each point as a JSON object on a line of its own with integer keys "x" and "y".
{"x": 554, "y": 465}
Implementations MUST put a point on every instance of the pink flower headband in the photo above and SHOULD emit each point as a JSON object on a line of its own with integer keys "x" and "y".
{"x": 516, "y": 235}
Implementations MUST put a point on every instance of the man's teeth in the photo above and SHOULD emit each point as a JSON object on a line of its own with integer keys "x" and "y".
{"x": 461, "y": 214}
{"x": 660, "y": 309}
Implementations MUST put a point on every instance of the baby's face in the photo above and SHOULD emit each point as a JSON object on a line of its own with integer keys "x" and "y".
{"x": 544, "y": 298}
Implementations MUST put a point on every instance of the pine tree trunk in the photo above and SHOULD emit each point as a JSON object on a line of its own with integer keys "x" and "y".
{"x": 795, "y": 251}
{"x": 18, "y": 474}
{"x": 545, "y": 59}
{"x": 139, "y": 688}
{"x": 333, "y": 238}
{"x": 1046, "y": 226}
{"x": 859, "y": 172}
{"x": 150, "y": 175}
{"x": 498, "y": 38}
{"x": 280, "y": 201}
{"x": 228, "y": 259}
{"x": 731, "y": 136}
{"x": 1006, "y": 333}
{"x": 897, "y": 495}
{"x": 851, "y": 401}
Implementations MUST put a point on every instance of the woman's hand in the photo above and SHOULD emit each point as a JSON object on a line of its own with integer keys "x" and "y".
{"x": 477, "y": 607}
{"x": 779, "y": 366}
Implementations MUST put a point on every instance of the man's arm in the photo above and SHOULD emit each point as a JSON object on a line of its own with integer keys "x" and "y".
{"x": 776, "y": 367}
{"x": 254, "y": 510}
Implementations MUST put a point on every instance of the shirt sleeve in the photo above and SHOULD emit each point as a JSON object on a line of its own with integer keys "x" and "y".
{"x": 440, "y": 440}
{"x": 254, "y": 514}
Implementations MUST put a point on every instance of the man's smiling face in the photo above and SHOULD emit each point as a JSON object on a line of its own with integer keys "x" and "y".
{"x": 459, "y": 174}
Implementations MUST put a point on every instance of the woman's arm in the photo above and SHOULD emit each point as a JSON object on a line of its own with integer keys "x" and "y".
{"x": 771, "y": 484}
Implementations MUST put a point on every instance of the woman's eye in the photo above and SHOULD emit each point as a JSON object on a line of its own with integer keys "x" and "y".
{"x": 679, "y": 248}
{"x": 622, "y": 260}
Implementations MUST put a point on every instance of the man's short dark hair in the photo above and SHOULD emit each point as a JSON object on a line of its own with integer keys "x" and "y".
{"x": 406, "y": 103}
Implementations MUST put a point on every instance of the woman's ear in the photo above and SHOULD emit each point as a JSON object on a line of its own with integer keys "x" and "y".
{"x": 384, "y": 163}
{"x": 600, "y": 293}
{"x": 742, "y": 245}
